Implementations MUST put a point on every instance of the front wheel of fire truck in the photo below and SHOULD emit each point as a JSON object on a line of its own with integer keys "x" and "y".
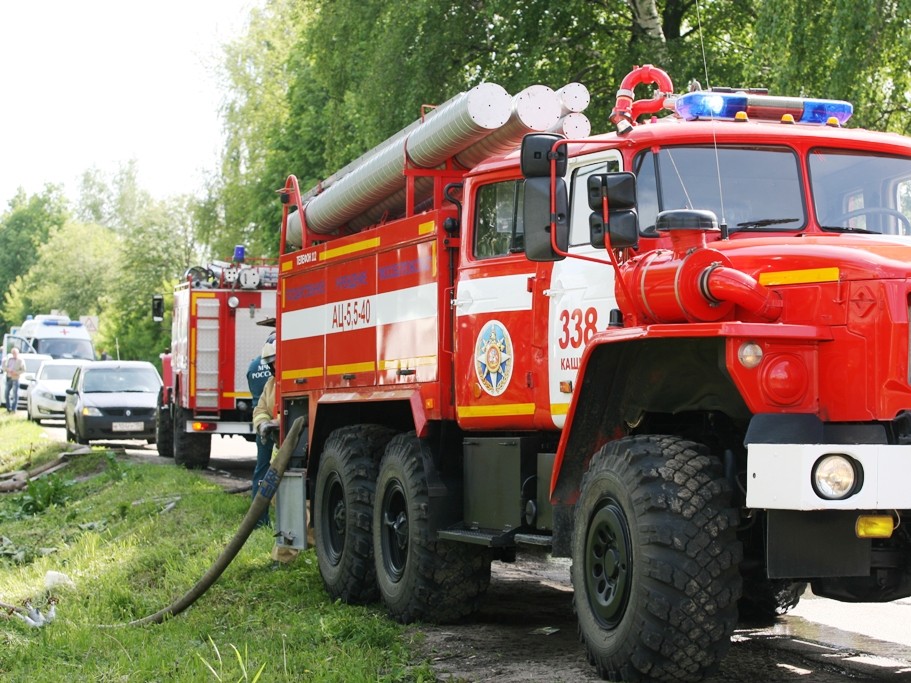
{"x": 343, "y": 511}
{"x": 190, "y": 450}
{"x": 655, "y": 560}
{"x": 419, "y": 577}
{"x": 164, "y": 427}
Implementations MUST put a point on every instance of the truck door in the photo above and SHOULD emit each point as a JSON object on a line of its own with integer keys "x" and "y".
{"x": 496, "y": 365}
{"x": 581, "y": 292}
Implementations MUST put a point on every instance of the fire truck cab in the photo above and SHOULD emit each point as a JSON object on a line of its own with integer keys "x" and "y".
{"x": 677, "y": 353}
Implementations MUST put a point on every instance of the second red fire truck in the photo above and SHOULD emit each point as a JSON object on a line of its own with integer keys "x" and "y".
{"x": 215, "y": 334}
{"x": 677, "y": 353}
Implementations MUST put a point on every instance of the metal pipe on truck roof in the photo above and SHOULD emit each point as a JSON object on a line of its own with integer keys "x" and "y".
{"x": 535, "y": 109}
{"x": 445, "y": 131}
{"x": 573, "y": 125}
{"x": 574, "y": 98}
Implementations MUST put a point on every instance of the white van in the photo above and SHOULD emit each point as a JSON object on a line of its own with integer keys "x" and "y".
{"x": 54, "y": 335}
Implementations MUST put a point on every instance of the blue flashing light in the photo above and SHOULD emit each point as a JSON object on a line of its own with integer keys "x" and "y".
{"x": 239, "y": 253}
{"x": 819, "y": 111}
{"x": 724, "y": 105}
{"x": 62, "y": 323}
{"x": 710, "y": 105}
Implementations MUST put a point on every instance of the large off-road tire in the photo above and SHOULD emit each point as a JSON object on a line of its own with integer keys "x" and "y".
{"x": 655, "y": 560}
{"x": 764, "y": 600}
{"x": 164, "y": 427}
{"x": 190, "y": 450}
{"x": 343, "y": 511}
{"x": 419, "y": 577}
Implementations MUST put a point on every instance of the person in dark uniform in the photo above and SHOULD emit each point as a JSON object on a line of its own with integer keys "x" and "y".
{"x": 258, "y": 375}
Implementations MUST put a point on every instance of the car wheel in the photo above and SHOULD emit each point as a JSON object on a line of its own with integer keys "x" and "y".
{"x": 79, "y": 438}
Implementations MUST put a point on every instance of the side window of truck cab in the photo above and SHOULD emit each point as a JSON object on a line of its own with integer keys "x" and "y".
{"x": 499, "y": 229}
{"x": 579, "y": 210}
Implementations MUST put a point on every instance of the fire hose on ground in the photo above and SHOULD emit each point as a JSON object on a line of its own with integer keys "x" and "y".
{"x": 264, "y": 494}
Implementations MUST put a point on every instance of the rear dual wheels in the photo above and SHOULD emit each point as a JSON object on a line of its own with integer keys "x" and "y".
{"x": 419, "y": 577}
{"x": 190, "y": 450}
{"x": 343, "y": 511}
{"x": 655, "y": 560}
{"x": 374, "y": 537}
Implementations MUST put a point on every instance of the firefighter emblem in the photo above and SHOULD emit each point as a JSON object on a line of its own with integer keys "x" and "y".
{"x": 493, "y": 358}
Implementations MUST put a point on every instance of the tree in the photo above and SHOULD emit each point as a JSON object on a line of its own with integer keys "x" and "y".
{"x": 23, "y": 229}
{"x": 73, "y": 272}
{"x": 256, "y": 72}
{"x": 159, "y": 247}
{"x": 856, "y": 51}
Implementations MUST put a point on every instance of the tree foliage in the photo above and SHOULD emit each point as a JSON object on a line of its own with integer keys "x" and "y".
{"x": 847, "y": 49}
{"x": 73, "y": 272}
{"x": 313, "y": 84}
{"x": 358, "y": 71}
{"x": 23, "y": 228}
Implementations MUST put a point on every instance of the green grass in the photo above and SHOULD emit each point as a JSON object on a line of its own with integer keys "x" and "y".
{"x": 110, "y": 526}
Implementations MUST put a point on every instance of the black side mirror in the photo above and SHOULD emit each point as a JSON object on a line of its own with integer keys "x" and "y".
{"x": 157, "y": 308}
{"x": 621, "y": 224}
{"x": 537, "y": 151}
{"x": 537, "y": 219}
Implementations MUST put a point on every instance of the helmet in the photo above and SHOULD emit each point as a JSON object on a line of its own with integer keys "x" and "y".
{"x": 268, "y": 352}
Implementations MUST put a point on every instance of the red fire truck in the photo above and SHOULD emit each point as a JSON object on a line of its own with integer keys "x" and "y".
{"x": 677, "y": 353}
{"x": 214, "y": 336}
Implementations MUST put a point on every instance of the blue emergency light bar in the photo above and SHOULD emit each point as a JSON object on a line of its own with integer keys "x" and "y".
{"x": 722, "y": 105}
{"x": 62, "y": 323}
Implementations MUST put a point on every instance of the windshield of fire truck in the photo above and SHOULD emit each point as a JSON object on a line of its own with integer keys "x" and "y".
{"x": 748, "y": 188}
{"x": 859, "y": 191}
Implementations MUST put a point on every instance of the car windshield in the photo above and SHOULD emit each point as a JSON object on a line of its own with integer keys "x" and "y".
{"x": 32, "y": 364}
{"x": 855, "y": 191}
{"x": 65, "y": 348}
{"x": 57, "y": 372}
{"x": 110, "y": 380}
{"x": 748, "y": 188}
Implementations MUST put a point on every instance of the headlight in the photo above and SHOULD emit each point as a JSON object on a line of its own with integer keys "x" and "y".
{"x": 836, "y": 476}
{"x": 45, "y": 395}
{"x": 749, "y": 354}
{"x": 91, "y": 412}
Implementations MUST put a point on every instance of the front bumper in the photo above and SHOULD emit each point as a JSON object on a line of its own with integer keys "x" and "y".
{"x": 112, "y": 428}
{"x": 45, "y": 407}
{"x": 779, "y": 477}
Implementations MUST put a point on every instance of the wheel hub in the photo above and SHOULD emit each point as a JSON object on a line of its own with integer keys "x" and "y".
{"x": 608, "y": 567}
{"x": 395, "y": 536}
{"x": 336, "y": 514}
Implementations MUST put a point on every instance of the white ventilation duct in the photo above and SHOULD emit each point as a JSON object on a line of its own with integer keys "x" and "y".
{"x": 573, "y": 125}
{"x": 450, "y": 128}
{"x": 574, "y": 98}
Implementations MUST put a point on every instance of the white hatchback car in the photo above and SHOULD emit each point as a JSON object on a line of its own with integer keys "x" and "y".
{"x": 47, "y": 390}
{"x": 33, "y": 361}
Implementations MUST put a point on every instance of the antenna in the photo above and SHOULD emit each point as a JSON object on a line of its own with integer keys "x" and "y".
{"x": 708, "y": 85}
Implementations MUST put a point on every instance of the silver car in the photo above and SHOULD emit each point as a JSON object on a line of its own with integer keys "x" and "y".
{"x": 47, "y": 390}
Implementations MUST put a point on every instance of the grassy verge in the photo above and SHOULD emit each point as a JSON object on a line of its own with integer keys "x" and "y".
{"x": 132, "y": 538}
